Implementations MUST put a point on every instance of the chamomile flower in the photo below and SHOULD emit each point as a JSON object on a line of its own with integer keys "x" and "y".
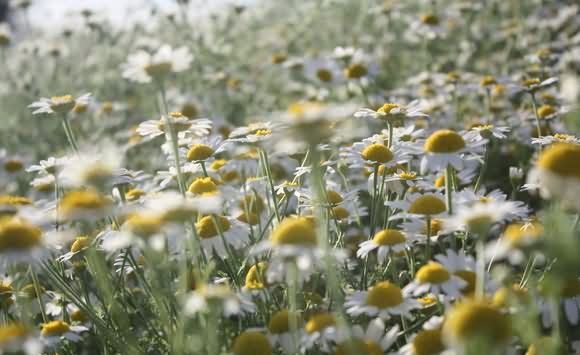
{"x": 182, "y": 124}
{"x": 87, "y": 205}
{"x": 252, "y": 343}
{"x": 204, "y": 149}
{"x": 391, "y": 112}
{"x": 372, "y": 152}
{"x": 218, "y": 233}
{"x": 478, "y": 217}
{"x": 15, "y": 337}
{"x": 414, "y": 204}
{"x": 58, "y": 104}
{"x": 446, "y": 148}
{"x": 434, "y": 278}
{"x": 373, "y": 340}
{"x": 487, "y": 132}
{"x": 383, "y": 300}
{"x": 144, "y": 67}
{"x": 557, "y": 174}
{"x": 556, "y": 138}
{"x": 217, "y": 295}
{"x": 321, "y": 330}
{"x": 280, "y": 332}
{"x": 55, "y": 331}
{"x": 254, "y": 132}
{"x": 20, "y": 243}
{"x": 322, "y": 71}
{"x": 387, "y": 242}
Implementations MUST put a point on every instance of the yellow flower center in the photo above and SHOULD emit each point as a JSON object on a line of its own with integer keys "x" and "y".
{"x": 199, "y": 152}
{"x": 519, "y": 233}
{"x": 280, "y": 322}
{"x": 320, "y": 322}
{"x": 255, "y": 278}
{"x": 210, "y": 226}
{"x": 250, "y": 218}
{"x": 428, "y": 342}
{"x": 487, "y": 80}
{"x": 158, "y": 70}
{"x": 387, "y": 108}
{"x": 562, "y": 136}
{"x": 356, "y": 71}
{"x": 389, "y": 237}
{"x": 218, "y": 164}
{"x": 295, "y": 231}
{"x": 469, "y": 277}
{"x": 189, "y": 110}
{"x": 14, "y": 200}
{"x": 546, "y": 110}
{"x": 356, "y": 346}
{"x": 341, "y": 213}
{"x": 427, "y": 205}
{"x": 62, "y": 104}
{"x": 561, "y": 159}
{"x": 86, "y": 200}
{"x": 531, "y": 82}
{"x": 203, "y": 185}
{"x": 498, "y": 90}
{"x": 324, "y": 75}
{"x": 252, "y": 203}
{"x": 17, "y": 235}
{"x": 377, "y": 153}
{"x": 453, "y": 76}
{"x": 10, "y": 332}
{"x": 79, "y": 316}
{"x": 263, "y": 132}
{"x": 334, "y": 197}
{"x": 444, "y": 141}
{"x": 385, "y": 295}
{"x": 279, "y": 58}
{"x": 436, "y": 226}
{"x": 55, "y": 328}
{"x": 475, "y": 320}
{"x": 252, "y": 343}
{"x": 144, "y": 224}
{"x": 439, "y": 181}
{"x": 134, "y": 194}
{"x": 433, "y": 273}
{"x": 13, "y": 165}
{"x": 79, "y": 244}
{"x": 411, "y": 175}
{"x": 507, "y": 295}
{"x": 430, "y": 19}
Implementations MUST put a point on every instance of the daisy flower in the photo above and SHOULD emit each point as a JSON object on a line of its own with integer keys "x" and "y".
{"x": 20, "y": 243}
{"x": 182, "y": 124}
{"x": 204, "y": 149}
{"x": 58, "y": 104}
{"x": 218, "y": 233}
{"x": 556, "y": 138}
{"x": 427, "y": 341}
{"x": 144, "y": 67}
{"x": 557, "y": 173}
{"x": 393, "y": 112}
{"x": 436, "y": 279}
{"x": 321, "y": 330}
{"x": 383, "y": 300}
{"x": 86, "y": 205}
{"x": 487, "y": 131}
{"x": 468, "y": 197}
{"x": 386, "y": 242}
{"x": 279, "y": 331}
{"x": 446, "y": 148}
{"x": 220, "y": 295}
{"x": 478, "y": 217}
{"x": 373, "y": 340}
{"x": 56, "y": 331}
{"x": 415, "y": 205}
{"x": 515, "y": 239}
{"x": 251, "y": 342}
{"x": 372, "y": 151}
{"x": 254, "y": 132}
{"x": 321, "y": 70}
{"x": 15, "y": 338}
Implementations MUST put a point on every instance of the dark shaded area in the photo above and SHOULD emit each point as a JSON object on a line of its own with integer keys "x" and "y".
{"x": 3, "y": 10}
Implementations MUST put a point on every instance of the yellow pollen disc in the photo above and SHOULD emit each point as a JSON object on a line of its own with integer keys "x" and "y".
{"x": 385, "y": 295}
{"x": 134, "y": 194}
{"x": 547, "y": 97}
{"x": 324, "y": 75}
{"x": 334, "y": 197}
{"x": 208, "y": 226}
{"x": 82, "y": 200}
{"x": 144, "y": 224}
{"x": 473, "y": 319}
{"x": 252, "y": 343}
{"x": 387, "y": 108}
{"x": 356, "y": 346}
{"x": 377, "y": 153}
{"x": 10, "y": 332}
{"x": 507, "y": 295}
{"x": 436, "y": 226}
{"x": 428, "y": 342}
{"x": 178, "y": 214}
{"x": 498, "y": 90}
{"x": 444, "y": 141}
{"x": 453, "y": 76}
{"x": 487, "y": 80}
{"x": 263, "y": 132}
{"x": 158, "y": 70}
{"x": 294, "y": 231}
{"x": 17, "y": 235}
{"x": 571, "y": 289}
{"x": 469, "y": 277}
{"x": 202, "y": 185}
{"x": 561, "y": 159}
{"x": 531, "y": 82}
{"x": 341, "y": 213}
{"x": 218, "y": 164}
{"x": 79, "y": 244}
{"x": 230, "y": 176}
{"x": 199, "y": 152}
{"x": 320, "y": 322}
{"x": 78, "y": 316}
{"x": 14, "y": 200}
{"x": 252, "y": 203}
{"x": 546, "y": 110}
{"x": 408, "y": 175}
{"x": 13, "y": 165}
{"x": 562, "y": 136}
{"x": 389, "y": 237}
{"x": 519, "y": 233}
{"x": 427, "y": 205}
{"x": 189, "y": 110}
{"x": 279, "y": 58}
{"x": 439, "y": 181}
{"x": 430, "y": 19}
{"x": 356, "y": 71}
{"x": 428, "y": 300}
{"x": 280, "y": 322}
{"x": 433, "y": 273}
{"x": 62, "y": 104}
{"x": 256, "y": 276}
{"x": 250, "y": 218}
{"x": 55, "y": 328}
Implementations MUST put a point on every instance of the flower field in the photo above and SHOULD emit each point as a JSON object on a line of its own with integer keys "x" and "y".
{"x": 344, "y": 177}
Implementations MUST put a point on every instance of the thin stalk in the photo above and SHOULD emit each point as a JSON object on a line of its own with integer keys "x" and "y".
{"x": 449, "y": 188}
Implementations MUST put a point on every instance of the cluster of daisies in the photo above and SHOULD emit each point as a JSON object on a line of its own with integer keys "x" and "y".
{"x": 438, "y": 217}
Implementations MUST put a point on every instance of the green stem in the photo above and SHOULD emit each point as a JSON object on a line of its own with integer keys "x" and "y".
{"x": 449, "y": 188}
{"x": 69, "y": 133}
{"x": 482, "y": 170}
{"x": 428, "y": 248}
